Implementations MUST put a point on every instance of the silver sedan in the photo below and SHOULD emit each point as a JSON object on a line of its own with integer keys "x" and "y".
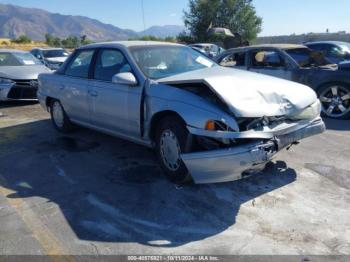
{"x": 19, "y": 72}
{"x": 206, "y": 123}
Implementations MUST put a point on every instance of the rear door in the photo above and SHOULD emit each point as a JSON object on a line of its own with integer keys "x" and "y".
{"x": 269, "y": 62}
{"x": 74, "y": 86}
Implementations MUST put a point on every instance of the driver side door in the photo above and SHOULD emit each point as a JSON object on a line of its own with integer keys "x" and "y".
{"x": 114, "y": 107}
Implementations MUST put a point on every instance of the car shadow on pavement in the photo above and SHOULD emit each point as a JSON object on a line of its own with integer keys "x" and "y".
{"x": 14, "y": 103}
{"x": 335, "y": 124}
{"x": 110, "y": 190}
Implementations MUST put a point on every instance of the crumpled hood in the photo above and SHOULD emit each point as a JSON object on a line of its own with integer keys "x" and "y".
{"x": 56, "y": 59}
{"x": 250, "y": 94}
{"x": 23, "y": 72}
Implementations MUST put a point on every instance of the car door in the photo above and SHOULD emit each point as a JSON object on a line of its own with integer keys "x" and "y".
{"x": 114, "y": 107}
{"x": 269, "y": 62}
{"x": 74, "y": 86}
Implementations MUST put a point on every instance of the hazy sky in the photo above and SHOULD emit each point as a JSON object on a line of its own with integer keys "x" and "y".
{"x": 280, "y": 16}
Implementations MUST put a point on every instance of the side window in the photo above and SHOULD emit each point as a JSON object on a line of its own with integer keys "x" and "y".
{"x": 109, "y": 63}
{"x": 79, "y": 66}
{"x": 235, "y": 59}
{"x": 267, "y": 59}
{"x": 35, "y": 53}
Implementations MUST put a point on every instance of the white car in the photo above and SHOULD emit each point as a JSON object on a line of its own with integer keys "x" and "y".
{"x": 53, "y": 58}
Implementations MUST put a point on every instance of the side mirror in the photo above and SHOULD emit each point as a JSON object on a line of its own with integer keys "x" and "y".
{"x": 125, "y": 79}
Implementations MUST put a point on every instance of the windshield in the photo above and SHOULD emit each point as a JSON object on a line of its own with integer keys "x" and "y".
{"x": 55, "y": 53}
{"x": 17, "y": 59}
{"x": 163, "y": 61}
{"x": 306, "y": 58}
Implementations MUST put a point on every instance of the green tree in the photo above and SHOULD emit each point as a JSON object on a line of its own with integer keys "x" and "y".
{"x": 22, "y": 39}
{"x": 52, "y": 40}
{"x": 71, "y": 42}
{"x": 48, "y": 39}
{"x": 56, "y": 42}
{"x": 237, "y": 15}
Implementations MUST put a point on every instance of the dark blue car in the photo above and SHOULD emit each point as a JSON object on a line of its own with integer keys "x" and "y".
{"x": 298, "y": 63}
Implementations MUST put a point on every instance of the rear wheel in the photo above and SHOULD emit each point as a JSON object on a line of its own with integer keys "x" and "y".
{"x": 335, "y": 99}
{"x": 59, "y": 117}
{"x": 172, "y": 139}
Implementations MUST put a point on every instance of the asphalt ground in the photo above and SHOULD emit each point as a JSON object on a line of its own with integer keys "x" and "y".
{"x": 89, "y": 193}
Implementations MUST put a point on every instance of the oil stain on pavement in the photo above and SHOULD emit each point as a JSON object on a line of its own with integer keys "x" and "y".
{"x": 338, "y": 176}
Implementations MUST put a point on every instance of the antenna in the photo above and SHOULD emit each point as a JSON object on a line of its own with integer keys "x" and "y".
{"x": 143, "y": 15}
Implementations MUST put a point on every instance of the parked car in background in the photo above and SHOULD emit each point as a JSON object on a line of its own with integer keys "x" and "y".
{"x": 298, "y": 63}
{"x": 206, "y": 122}
{"x": 19, "y": 72}
{"x": 335, "y": 51}
{"x": 53, "y": 58}
{"x": 210, "y": 50}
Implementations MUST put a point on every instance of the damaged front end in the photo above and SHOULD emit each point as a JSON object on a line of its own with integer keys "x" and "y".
{"x": 259, "y": 117}
{"x": 228, "y": 155}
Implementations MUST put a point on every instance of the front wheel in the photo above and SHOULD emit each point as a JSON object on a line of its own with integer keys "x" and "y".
{"x": 172, "y": 139}
{"x": 59, "y": 117}
{"x": 335, "y": 99}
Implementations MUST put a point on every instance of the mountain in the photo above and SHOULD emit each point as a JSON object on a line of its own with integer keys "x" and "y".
{"x": 163, "y": 31}
{"x": 35, "y": 23}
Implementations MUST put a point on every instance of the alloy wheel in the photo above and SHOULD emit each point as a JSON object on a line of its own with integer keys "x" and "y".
{"x": 335, "y": 101}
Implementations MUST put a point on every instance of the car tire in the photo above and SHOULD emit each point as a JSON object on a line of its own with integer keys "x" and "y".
{"x": 59, "y": 118}
{"x": 172, "y": 139}
{"x": 335, "y": 100}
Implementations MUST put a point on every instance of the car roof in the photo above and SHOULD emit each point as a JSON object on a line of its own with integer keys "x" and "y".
{"x": 202, "y": 44}
{"x": 48, "y": 48}
{"x": 326, "y": 42}
{"x": 127, "y": 44}
{"x": 12, "y": 51}
{"x": 278, "y": 46}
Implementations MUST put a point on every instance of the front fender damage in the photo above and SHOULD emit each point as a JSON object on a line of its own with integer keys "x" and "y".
{"x": 259, "y": 147}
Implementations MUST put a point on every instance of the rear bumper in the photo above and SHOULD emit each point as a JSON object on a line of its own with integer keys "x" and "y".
{"x": 229, "y": 164}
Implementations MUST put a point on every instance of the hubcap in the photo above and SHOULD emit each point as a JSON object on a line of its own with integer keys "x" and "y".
{"x": 170, "y": 150}
{"x": 57, "y": 114}
{"x": 335, "y": 101}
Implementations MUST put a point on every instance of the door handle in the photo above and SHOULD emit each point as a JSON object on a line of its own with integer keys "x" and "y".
{"x": 93, "y": 93}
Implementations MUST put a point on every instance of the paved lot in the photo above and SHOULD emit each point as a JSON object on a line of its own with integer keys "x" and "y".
{"x": 88, "y": 193}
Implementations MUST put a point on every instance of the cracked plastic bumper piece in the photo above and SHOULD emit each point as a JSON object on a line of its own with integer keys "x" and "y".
{"x": 230, "y": 164}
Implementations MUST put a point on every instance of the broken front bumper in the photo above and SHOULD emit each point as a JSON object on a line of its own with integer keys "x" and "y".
{"x": 229, "y": 164}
